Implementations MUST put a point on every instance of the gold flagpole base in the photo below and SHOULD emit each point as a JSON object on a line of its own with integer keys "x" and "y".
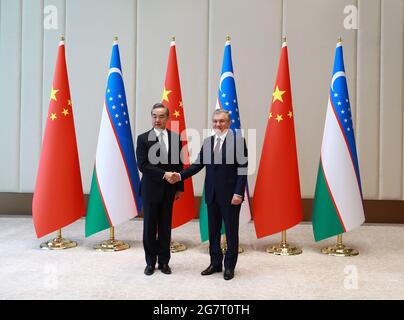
{"x": 283, "y": 249}
{"x": 340, "y": 250}
{"x": 223, "y": 246}
{"x": 111, "y": 245}
{"x": 177, "y": 247}
{"x": 58, "y": 243}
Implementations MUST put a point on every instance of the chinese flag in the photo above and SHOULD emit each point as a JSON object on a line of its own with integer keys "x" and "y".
{"x": 277, "y": 200}
{"x": 184, "y": 208}
{"x": 58, "y": 196}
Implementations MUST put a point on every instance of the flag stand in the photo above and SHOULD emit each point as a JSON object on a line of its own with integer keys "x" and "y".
{"x": 58, "y": 243}
{"x": 223, "y": 246}
{"x": 176, "y": 246}
{"x": 283, "y": 249}
{"x": 340, "y": 250}
{"x": 111, "y": 244}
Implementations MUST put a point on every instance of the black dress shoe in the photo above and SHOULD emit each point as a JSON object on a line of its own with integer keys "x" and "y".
{"x": 149, "y": 270}
{"x": 228, "y": 274}
{"x": 210, "y": 270}
{"x": 165, "y": 268}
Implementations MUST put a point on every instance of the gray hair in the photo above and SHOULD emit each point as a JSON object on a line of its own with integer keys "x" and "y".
{"x": 220, "y": 111}
{"x": 158, "y": 106}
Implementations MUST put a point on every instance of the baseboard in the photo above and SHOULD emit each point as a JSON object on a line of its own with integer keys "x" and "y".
{"x": 376, "y": 211}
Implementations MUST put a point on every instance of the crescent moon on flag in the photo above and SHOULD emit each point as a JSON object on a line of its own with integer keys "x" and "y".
{"x": 224, "y": 76}
{"x": 114, "y": 70}
{"x": 335, "y": 76}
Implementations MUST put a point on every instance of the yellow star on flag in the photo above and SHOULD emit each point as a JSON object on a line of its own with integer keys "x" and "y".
{"x": 181, "y": 104}
{"x": 277, "y": 94}
{"x": 279, "y": 118}
{"x": 165, "y": 94}
{"x": 290, "y": 114}
{"x": 177, "y": 113}
{"x": 53, "y": 94}
{"x": 270, "y": 115}
{"x": 65, "y": 112}
{"x": 69, "y": 102}
{"x": 53, "y": 116}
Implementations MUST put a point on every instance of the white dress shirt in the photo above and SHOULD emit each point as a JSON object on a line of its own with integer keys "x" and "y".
{"x": 221, "y": 136}
{"x": 165, "y": 136}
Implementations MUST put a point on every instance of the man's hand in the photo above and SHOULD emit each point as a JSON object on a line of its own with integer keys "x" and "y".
{"x": 172, "y": 177}
{"x": 178, "y": 195}
{"x": 237, "y": 199}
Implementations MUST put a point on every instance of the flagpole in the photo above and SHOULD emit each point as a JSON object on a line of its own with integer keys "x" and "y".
{"x": 112, "y": 244}
{"x": 58, "y": 243}
{"x": 283, "y": 249}
{"x": 176, "y": 246}
{"x": 223, "y": 243}
{"x": 339, "y": 249}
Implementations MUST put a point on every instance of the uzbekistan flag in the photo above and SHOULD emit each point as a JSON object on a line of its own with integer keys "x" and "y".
{"x": 226, "y": 99}
{"x": 338, "y": 203}
{"x": 114, "y": 196}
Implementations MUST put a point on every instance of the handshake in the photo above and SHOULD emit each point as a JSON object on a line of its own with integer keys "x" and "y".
{"x": 172, "y": 177}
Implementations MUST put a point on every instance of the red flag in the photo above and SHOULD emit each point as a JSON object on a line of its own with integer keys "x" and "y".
{"x": 58, "y": 196}
{"x": 184, "y": 208}
{"x": 277, "y": 200}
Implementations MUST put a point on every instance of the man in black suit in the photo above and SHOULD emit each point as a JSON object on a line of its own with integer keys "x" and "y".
{"x": 225, "y": 157}
{"x": 158, "y": 154}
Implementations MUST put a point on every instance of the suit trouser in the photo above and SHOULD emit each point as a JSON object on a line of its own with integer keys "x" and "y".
{"x": 157, "y": 230}
{"x": 230, "y": 215}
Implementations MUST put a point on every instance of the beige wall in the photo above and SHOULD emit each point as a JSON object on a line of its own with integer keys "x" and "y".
{"x": 373, "y": 61}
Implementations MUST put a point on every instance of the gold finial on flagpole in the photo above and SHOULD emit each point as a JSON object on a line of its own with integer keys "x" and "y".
{"x": 172, "y": 38}
{"x": 115, "y": 38}
{"x": 62, "y": 38}
{"x": 339, "y": 39}
{"x": 227, "y": 38}
{"x": 283, "y": 39}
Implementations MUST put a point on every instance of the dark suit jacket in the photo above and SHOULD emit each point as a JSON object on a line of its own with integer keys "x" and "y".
{"x": 224, "y": 180}
{"x": 152, "y": 186}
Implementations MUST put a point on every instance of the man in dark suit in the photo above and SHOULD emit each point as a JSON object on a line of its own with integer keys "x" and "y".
{"x": 158, "y": 154}
{"x": 225, "y": 157}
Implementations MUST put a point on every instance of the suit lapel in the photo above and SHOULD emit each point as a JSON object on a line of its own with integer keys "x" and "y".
{"x": 152, "y": 136}
{"x": 227, "y": 145}
{"x": 212, "y": 147}
{"x": 152, "y": 140}
{"x": 169, "y": 144}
